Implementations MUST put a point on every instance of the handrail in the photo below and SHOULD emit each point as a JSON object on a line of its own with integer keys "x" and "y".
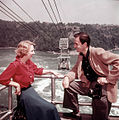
{"x": 53, "y": 78}
{"x": 9, "y": 111}
{"x": 2, "y": 88}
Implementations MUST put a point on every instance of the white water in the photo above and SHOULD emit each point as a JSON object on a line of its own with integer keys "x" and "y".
{"x": 43, "y": 86}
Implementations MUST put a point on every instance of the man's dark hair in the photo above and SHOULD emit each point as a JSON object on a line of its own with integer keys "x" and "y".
{"x": 83, "y": 37}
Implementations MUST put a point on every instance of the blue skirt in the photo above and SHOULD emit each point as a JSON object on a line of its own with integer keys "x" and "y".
{"x": 35, "y": 107}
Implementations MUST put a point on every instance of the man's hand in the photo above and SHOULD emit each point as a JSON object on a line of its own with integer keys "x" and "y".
{"x": 102, "y": 80}
{"x": 65, "y": 82}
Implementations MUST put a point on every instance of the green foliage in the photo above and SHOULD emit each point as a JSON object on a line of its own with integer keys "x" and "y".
{"x": 47, "y": 35}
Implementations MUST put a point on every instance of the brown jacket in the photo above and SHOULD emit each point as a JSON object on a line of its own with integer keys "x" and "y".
{"x": 100, "y": 61}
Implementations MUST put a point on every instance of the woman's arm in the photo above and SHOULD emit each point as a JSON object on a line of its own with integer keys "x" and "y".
{"x": 45, "y": 72}
{"x": 7, "y": 74}
{"x": 5, "y": 78}
{"x": 41, "y": 71}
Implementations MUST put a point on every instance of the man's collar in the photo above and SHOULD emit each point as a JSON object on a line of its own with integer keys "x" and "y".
{"x": 87, "y": 54}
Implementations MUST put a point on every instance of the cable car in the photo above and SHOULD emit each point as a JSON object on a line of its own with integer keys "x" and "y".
{"x": 64, "y": 58}
{"x": 64, "y": 62}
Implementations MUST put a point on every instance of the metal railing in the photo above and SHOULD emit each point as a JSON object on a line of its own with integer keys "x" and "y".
{"x": 53, "y": 79}
{"x": 9, "y": 112}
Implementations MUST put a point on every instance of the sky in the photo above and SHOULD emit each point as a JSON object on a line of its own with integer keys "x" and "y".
{"x": 81, "y": 11}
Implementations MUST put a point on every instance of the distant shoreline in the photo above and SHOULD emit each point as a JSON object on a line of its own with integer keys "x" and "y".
{"x": 114, "y": 49}
{"x": 72, "y": 52}
{"x": 7, "y": 47}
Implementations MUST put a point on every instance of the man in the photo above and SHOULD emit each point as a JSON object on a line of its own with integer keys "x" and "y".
{"x": 96, "y": 78}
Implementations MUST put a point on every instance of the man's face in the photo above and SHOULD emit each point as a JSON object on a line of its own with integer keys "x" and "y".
{"x": 78, "y": 45}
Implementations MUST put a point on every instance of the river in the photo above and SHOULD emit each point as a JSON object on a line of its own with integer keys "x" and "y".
{"x": 42, "y": 86}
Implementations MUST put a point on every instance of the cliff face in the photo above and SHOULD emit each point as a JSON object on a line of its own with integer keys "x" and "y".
{"x": 48, "y": 35}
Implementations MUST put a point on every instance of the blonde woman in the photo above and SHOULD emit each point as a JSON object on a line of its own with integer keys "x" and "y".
{"x": 22, "y": 72}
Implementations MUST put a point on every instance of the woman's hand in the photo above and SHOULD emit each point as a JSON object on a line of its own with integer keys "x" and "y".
{"x": 17, "y": 87}
{"x": 45, "y": 72}
{"x": 18, "y": 90}
{"x": 55, "y": 74}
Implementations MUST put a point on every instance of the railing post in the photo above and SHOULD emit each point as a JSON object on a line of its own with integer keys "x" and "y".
{"x": 52, "y": 89}
{"x": 10, "y": 101}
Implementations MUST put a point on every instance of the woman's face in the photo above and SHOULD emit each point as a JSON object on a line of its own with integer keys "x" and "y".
{"x": 30, "y": 52}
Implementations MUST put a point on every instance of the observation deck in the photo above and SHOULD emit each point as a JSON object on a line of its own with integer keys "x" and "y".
{"x": 8, "y": 113}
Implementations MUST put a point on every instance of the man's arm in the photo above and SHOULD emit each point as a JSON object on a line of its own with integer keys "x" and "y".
{"x": 111, "y": 59}
{"x": 70, "y": 76}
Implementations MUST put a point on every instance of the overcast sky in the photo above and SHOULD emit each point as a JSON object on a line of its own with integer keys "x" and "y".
{"x": 81, "y": 11}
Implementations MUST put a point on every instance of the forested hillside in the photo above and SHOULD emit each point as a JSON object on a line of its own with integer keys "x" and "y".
{"x": 47, "y": 35}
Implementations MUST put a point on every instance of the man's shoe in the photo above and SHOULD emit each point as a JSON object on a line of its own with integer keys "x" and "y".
{"x": 72, "y": 114}
{"x": 77, "y": 114}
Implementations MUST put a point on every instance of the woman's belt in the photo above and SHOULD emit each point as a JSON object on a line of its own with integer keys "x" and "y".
{"x": 22, "y": 89}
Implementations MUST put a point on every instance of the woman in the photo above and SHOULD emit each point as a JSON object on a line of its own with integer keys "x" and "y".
{"x": 22, "y": 72}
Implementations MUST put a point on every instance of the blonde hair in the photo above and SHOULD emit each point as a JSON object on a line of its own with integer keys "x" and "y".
{"x": 23, "y": 48}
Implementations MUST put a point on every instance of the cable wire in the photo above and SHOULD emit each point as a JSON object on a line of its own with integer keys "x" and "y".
{"x": 64, "y": 30}
{"x": 14, "y": 19}
{"x": 57, "y": 10}
{"x": 49, "y": 14}
{"x": 18, "y": 17}
{"x": 29, "y": 16}
{"x": 52, "y": 11}
{"x": 11, "y": 18}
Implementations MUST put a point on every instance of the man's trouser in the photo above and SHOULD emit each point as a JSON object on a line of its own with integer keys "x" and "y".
{"x": 101, "y": 107}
